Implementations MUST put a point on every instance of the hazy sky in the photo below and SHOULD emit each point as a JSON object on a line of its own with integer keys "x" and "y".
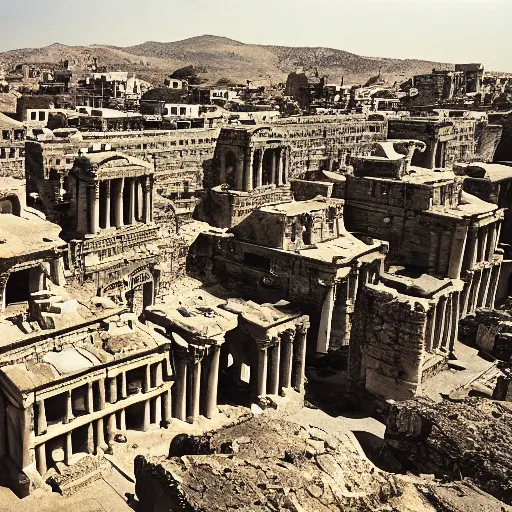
{"x": 438, "y": 30}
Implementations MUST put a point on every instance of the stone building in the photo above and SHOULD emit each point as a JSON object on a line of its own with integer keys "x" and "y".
{"x": 443, "y": 263}
{"x": 260, "y": 346}
{"x": 12, "y": 147}
{"x": 296, "y": 251}
{"x": 113, "y": 239}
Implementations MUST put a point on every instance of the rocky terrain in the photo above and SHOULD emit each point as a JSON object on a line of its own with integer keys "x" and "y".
{"x": 223, "y": 58}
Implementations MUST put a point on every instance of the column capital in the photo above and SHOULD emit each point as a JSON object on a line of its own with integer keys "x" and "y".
{"x": 288, "y": 335}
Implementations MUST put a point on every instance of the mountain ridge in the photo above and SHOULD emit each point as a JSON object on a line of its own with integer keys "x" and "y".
{"x": 223, "y": 58}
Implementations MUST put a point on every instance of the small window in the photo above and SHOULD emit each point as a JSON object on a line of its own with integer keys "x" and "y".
{"x": 42, "y": 116}
{"x": 183, "y": 111}
{"x": 33, "y": 116}
{"x": 57, "y": 161}
{"x": 5, "y": 135}
{"x": 174, "y": 111}
{"x": 175, "y": 85}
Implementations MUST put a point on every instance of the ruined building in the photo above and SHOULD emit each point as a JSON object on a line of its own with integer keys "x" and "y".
{"x": 12, "y": 148}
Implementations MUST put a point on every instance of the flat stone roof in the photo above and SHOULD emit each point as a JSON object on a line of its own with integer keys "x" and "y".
{"x": 293, "y": 208}
{"x": 22, "y": 236}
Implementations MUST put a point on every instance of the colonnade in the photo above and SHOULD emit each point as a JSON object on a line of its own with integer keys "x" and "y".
{"x": 443, "y": 324}
{"x": 280, "y": 362}
{"x": 197, "y": 375}
{"x": 480, "y": 289}
{"x": 249, "y": 169}
{"x": 114, "y": 203}
{"x": 104, "y": 424}
{"x": 481, "y": 244}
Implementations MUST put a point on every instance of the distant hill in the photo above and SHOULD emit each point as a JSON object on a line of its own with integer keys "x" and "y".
{"x": 223, "y": 57}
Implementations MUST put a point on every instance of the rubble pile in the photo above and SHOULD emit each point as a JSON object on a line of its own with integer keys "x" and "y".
{"x": 455, "y": 440}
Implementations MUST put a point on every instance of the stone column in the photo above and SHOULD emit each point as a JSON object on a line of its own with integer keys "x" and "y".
{"x": 107, "y": 204}
{"x": 41, "y": 459}
{"x": 324, "y": 331}
{"x": 440, "y": 321}
{"x": 131, "y": 210}
{"x": 239, "y": 171}
{"x": 100, "y": 436}
{"x": 493, "y": 287}
{"x": 430, "y": 329}
{"x": 213, "y": 382}
{"x": 113, "y": 390}
{"x": 82, "y": 207}
{"x": 119, "y": 203}
{"x": 90, "y": 438}
{"x": 69, "y": 408}
{"x": 458, "y": 246}
{"x": 122, "y": 420}
{"x": 146, "y": 203}
{"x": 285, "y": 377}
{"x": 492, "y": 239}
{"x": 274, "y": 356}
{"x": 111, "y": 429}
{"x": 259, "y": 175}
{"x": 101, "y": 386}
{"x": 280, "y": 168}
{"x": 147, "y": 416}
{"x": 485, "y": 237}
{"x": 57, "y": 271}
{"x": 42, "y": 426}
{"x": 249, "y": 172}
{"x": 124, "y": 391}
{"x": 195, "y": 391}
{"x": 146, "y": 383}
{"x": 158, "y": 374}
{"x": 470, "y": 255}
{"x": 158, "y": 409}
{"x": 455, "y": 321}
{"x": 445, "y": 340}
{"x": 261, "y": 373}
{"x": 94, "y": 202}
{"x": 68, "y": 449}
{"x": 180, "y": 410}
{"x": 274, "y": 167}
{"x": 476, "y": 295}
{"x": 299, "y": 370}
{"x": 167, "y": 407}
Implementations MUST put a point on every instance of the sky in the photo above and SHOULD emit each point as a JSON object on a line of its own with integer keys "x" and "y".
{"x": 438, "y": 30}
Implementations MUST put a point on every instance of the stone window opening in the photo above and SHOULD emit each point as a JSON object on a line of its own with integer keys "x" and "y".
{"x": 134, "y": 380}
{"x": 79, "y": 400}
{"x": 55, "y": 408}
{"x": 135, "y": 417}
{"x": 18, "y": 287}
{"x": 79, "y": 440}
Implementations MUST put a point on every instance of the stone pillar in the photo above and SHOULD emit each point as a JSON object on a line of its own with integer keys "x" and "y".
{"x": 324, "y": 331}
{"x": 249, "y": 171}
{"x": 111, "y": 429}
{"x": 131, "y": 210}
{"x": 147, "y": 416}
{"x": 259, "y": 175}
{"x": 458, "y": 246}
{"x": 42, "y": 426}
{"x": 101, "y": 386}
{"x": 213, "y": 382}
{"x": 484, "y": 287}
{"x": 440, "y": 321}
{"x": 100, "y": 436}
{"x": 158, "y": 374}
{"x": 280, "y": 168}
{"x": 158, "y": 410}
{"x": 274, "y": 356}
{"x": 90, "y": 438}
{"x": 455, "y": 321}
{"x": 107, "y": 204}
{"x": 470, "y": 254}
{"x": 94, "y": 202}
{"x": 119, "y": 203}
{"x": 261, "y": 373}
{"x": 239, "y": 173}
{"x": 445, "y": 340}
{"x": 299, "y": 370}
{"x": 167, "y": 407}
{"x": 285, "y": 377}
{"x": 57, "y": 271}
{"x": 124, "y": 391}
{"x": 485, "y": 237}
{"x": 69, "y": 408}
{"x": 493, "y": 288}
{"x": 274, "y": 167}
{"x": 195, "y": 391}
{"x": 430, "y": 329}
{"x": 68, "y": 449}
{"x": 146, "y": 383}
{"x": 476, "y": 295}
{"x": 122, "y": 420}
{"x": 180, "y": 410}
{"x": 82, "y": 207}
{"x": 41, "y": 459}
{"x": 113, "y": 390}
{"x": 492, "y": 240}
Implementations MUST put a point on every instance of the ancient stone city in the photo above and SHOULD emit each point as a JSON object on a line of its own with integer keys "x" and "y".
{"x": 282, "y": 296}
